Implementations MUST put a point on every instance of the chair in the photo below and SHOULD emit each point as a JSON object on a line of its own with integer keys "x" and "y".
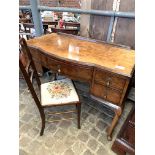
{"x": 72, "y": 24}
{"x": 55, "y": 93}
{"x": 62, "y": 30}
{"x": 29, "y": 28}
{"x": 51, "y": 23}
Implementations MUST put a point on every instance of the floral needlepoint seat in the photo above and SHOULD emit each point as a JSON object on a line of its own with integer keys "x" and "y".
{"x": 58, "y": 92}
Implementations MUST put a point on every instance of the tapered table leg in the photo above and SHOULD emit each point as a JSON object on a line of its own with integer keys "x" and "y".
{"x": 118, "y": 112}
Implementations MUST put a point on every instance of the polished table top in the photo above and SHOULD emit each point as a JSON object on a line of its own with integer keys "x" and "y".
{"x": 91, "y": 52}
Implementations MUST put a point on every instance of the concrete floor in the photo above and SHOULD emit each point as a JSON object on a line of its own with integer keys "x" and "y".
{"x": 63, "y": 138}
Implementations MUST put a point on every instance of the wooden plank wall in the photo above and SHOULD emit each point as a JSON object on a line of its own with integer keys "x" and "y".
{"x": 99, "y": 24}
{"x": 125, "y": 27}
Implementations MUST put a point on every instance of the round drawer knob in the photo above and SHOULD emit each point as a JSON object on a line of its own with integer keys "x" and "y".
{"x": 105, "y": 96}
{"x": 59, "y": 70}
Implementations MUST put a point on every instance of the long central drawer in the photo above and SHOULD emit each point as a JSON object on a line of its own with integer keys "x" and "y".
{"x": 76, "y": 71}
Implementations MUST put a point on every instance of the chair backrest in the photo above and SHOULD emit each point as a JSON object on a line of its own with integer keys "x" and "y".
{"x": 29, "y": 71}
{"x": 72, "y": 24}
{"x": 24, "y": 20}
{"x": 55, "y": 23}
{"x": 68, "y": 31}
{"x": 29, "y": 26}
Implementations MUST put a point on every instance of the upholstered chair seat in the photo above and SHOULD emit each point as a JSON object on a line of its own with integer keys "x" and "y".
{"x": 58, "y": 92}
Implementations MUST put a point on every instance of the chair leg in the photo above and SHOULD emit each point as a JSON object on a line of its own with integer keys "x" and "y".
{"x": 78, "y": 114}
{"x": 43, "y": 124}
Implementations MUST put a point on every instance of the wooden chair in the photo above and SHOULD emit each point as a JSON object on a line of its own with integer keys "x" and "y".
{"x": 29, "y": 26}
{"x": 72, "y": 24}
{"x": 24, "y": 20}
{"x": 55, "y": 93}
{"x": 68, "y": 31}
{"x": 51, "y": 23}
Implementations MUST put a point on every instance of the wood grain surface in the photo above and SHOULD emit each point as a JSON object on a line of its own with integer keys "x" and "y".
{"x": 90, "y": 52}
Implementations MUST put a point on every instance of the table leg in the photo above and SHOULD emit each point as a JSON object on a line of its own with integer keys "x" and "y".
{"x": 110, "y": 129}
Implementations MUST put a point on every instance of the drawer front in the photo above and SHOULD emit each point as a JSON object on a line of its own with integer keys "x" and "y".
{"x": 39, "y": 57}
{"x": 53, "y": 64}
{"x": 71, "y": 69}
{"x": 77, "y": 71}
{"x": 44, "y": 60}
{"x": 106, "y": 93}
{"x": 109, "y": 79}
{"x": 38, "y": 67}
{"x": 35, "y": 54}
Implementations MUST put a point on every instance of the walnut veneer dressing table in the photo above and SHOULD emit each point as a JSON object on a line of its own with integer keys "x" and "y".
{"x": 107, "y": 68}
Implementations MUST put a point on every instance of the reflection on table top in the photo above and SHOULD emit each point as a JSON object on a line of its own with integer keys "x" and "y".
{"x": 83, "y": 50}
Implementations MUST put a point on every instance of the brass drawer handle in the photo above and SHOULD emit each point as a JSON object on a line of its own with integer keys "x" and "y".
{"x": 59, "y": 70}
{"x": 108, "y": 83}
{"x": 105, "y": 96}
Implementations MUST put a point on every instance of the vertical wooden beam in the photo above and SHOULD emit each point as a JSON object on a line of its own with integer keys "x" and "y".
{"x": 99, "y": 25}
{"x": 125, "y": 27}
{"x": 85, "y": 19}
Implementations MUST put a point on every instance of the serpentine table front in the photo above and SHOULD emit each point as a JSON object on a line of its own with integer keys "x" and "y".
{"x": 107, "y": 68}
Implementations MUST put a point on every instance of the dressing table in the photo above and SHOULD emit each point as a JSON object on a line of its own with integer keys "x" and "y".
{"x": 107, "y": 68}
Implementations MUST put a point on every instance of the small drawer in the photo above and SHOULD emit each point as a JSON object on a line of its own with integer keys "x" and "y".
{"x": 109, "y": 79}
{"x": 35, "y": 54}
{"x": 53, "y": 64}
{"x": 43, "y": 60}
{"x": 38, "y": 67}
{"x": 106, "y": 93}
